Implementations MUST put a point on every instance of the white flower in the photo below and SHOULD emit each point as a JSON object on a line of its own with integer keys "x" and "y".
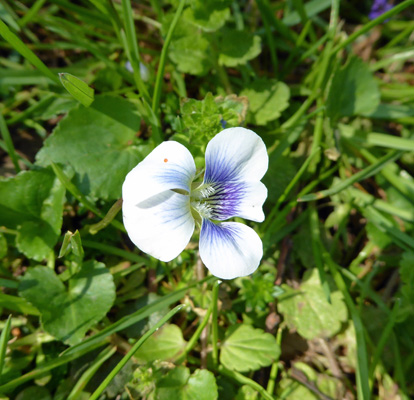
{"x": 162, "y": 200}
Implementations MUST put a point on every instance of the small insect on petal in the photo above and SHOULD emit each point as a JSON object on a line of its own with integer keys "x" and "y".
{"x": 165, "y": 159}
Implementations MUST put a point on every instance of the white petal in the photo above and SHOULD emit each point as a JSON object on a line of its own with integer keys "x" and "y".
{"x": 230, "y": 249}
{"x": 250, "y": 206}
{"x": 236, "y": 154}
{"x": 169, "y": 166}
{"x": 161, "y": 225}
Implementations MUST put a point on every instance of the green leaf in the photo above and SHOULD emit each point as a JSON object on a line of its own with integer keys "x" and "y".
{"x": 191, "y": 53}
{"x": 68, "y": 313}
{"x": 28, "y": 54}
{"x": 307, "y": 310}
{"x": 77, "y": 88}
{"x": 166, "y": 343}
{"x": 98, "y": 143}
{"x": 32, "y": 203}
{"x": 72, "y": 241}
{"x": 353, "y": 91}
{"x": 247, "y": 349}
{"x": 178, "y": 384}
{"x": 238, "y": 47}
{"x": 267, "y": 99}
{"x": 207, "y": 15}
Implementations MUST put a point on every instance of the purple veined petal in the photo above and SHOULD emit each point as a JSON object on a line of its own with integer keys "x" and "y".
{"x": 230, "y": 249}
{"x": 169, "y": 166}
{"x": 161, "y": 225}
{"x": 235, "y": 154}
{"x": 237, "y": 199}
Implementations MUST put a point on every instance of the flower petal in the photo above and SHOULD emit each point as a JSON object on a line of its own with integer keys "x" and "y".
{"x": 169, "y": 166}
{"x": 161, "y": 225}
{"x": 235, "y": 154}
{"x": 230, "y": 249}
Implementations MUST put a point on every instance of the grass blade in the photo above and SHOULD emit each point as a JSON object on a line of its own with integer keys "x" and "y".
{"x": 28, "y": 54}
{"x": 9, "y": 143}
{"x": 4, "y": 338}
{"x": 90, "y": 372}
{"x": 160, "y": 73}
{"x": 362, "y": 373}
{"x": 48, "y": 366}
{"x": 363, "y": 174}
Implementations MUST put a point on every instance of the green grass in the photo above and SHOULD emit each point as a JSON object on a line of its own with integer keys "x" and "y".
{"x": 331, "y": 305}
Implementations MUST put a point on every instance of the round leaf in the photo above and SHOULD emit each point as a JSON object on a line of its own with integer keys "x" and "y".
{"x": 248, "y": 349}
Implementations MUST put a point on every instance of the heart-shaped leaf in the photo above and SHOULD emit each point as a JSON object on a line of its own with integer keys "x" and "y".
{"x": 247, "y": 349}
{"x": 67, "y": 313}
{"x": 307, "y": 309}
{"x": 98, "y": 143}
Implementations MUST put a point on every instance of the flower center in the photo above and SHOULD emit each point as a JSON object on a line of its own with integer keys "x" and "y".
{"x": 199, "y": 199}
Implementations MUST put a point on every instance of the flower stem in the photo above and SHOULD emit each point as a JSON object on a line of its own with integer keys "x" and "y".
{"x": 214, "y": 322}
{"x": 191, "y": 343}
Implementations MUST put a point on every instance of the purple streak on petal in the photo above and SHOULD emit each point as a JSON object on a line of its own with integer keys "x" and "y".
{"x": 217, "y": 232}
{"x": 378, "y": 8}
{"x": 219, "y": 170}
{"x": 225, "y": 200}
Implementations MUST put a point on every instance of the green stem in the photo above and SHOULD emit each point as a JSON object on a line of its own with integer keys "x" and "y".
{"x": 214, "y": 322}
{"x": 275, "y": 366}
{"x": 244, "y": 380}
{"x": 191, "y": 343}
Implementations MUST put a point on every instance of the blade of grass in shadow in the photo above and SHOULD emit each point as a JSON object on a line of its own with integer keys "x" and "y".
{"x": 363, "y": 174}
{"x": 400, "y": 238}
{"x": 130, "y": 353}
{"x": 316, "y": 249}
{"x": 28, "y": 54}
{"x": 31, "y": 13}
{"x": 105, "y": 248}
{"x": 104, "y": 355}
{"x": 9, "y": 143}
{"x": 383, "y": 340}
{"x": 269, "y": 35}
{"x": 131, "y": 319}
{"x": 4, "y": 338}
{"x": 362, "y": 373}
{"x": 290, "y": 187}
{"x": 43, "y": 368}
